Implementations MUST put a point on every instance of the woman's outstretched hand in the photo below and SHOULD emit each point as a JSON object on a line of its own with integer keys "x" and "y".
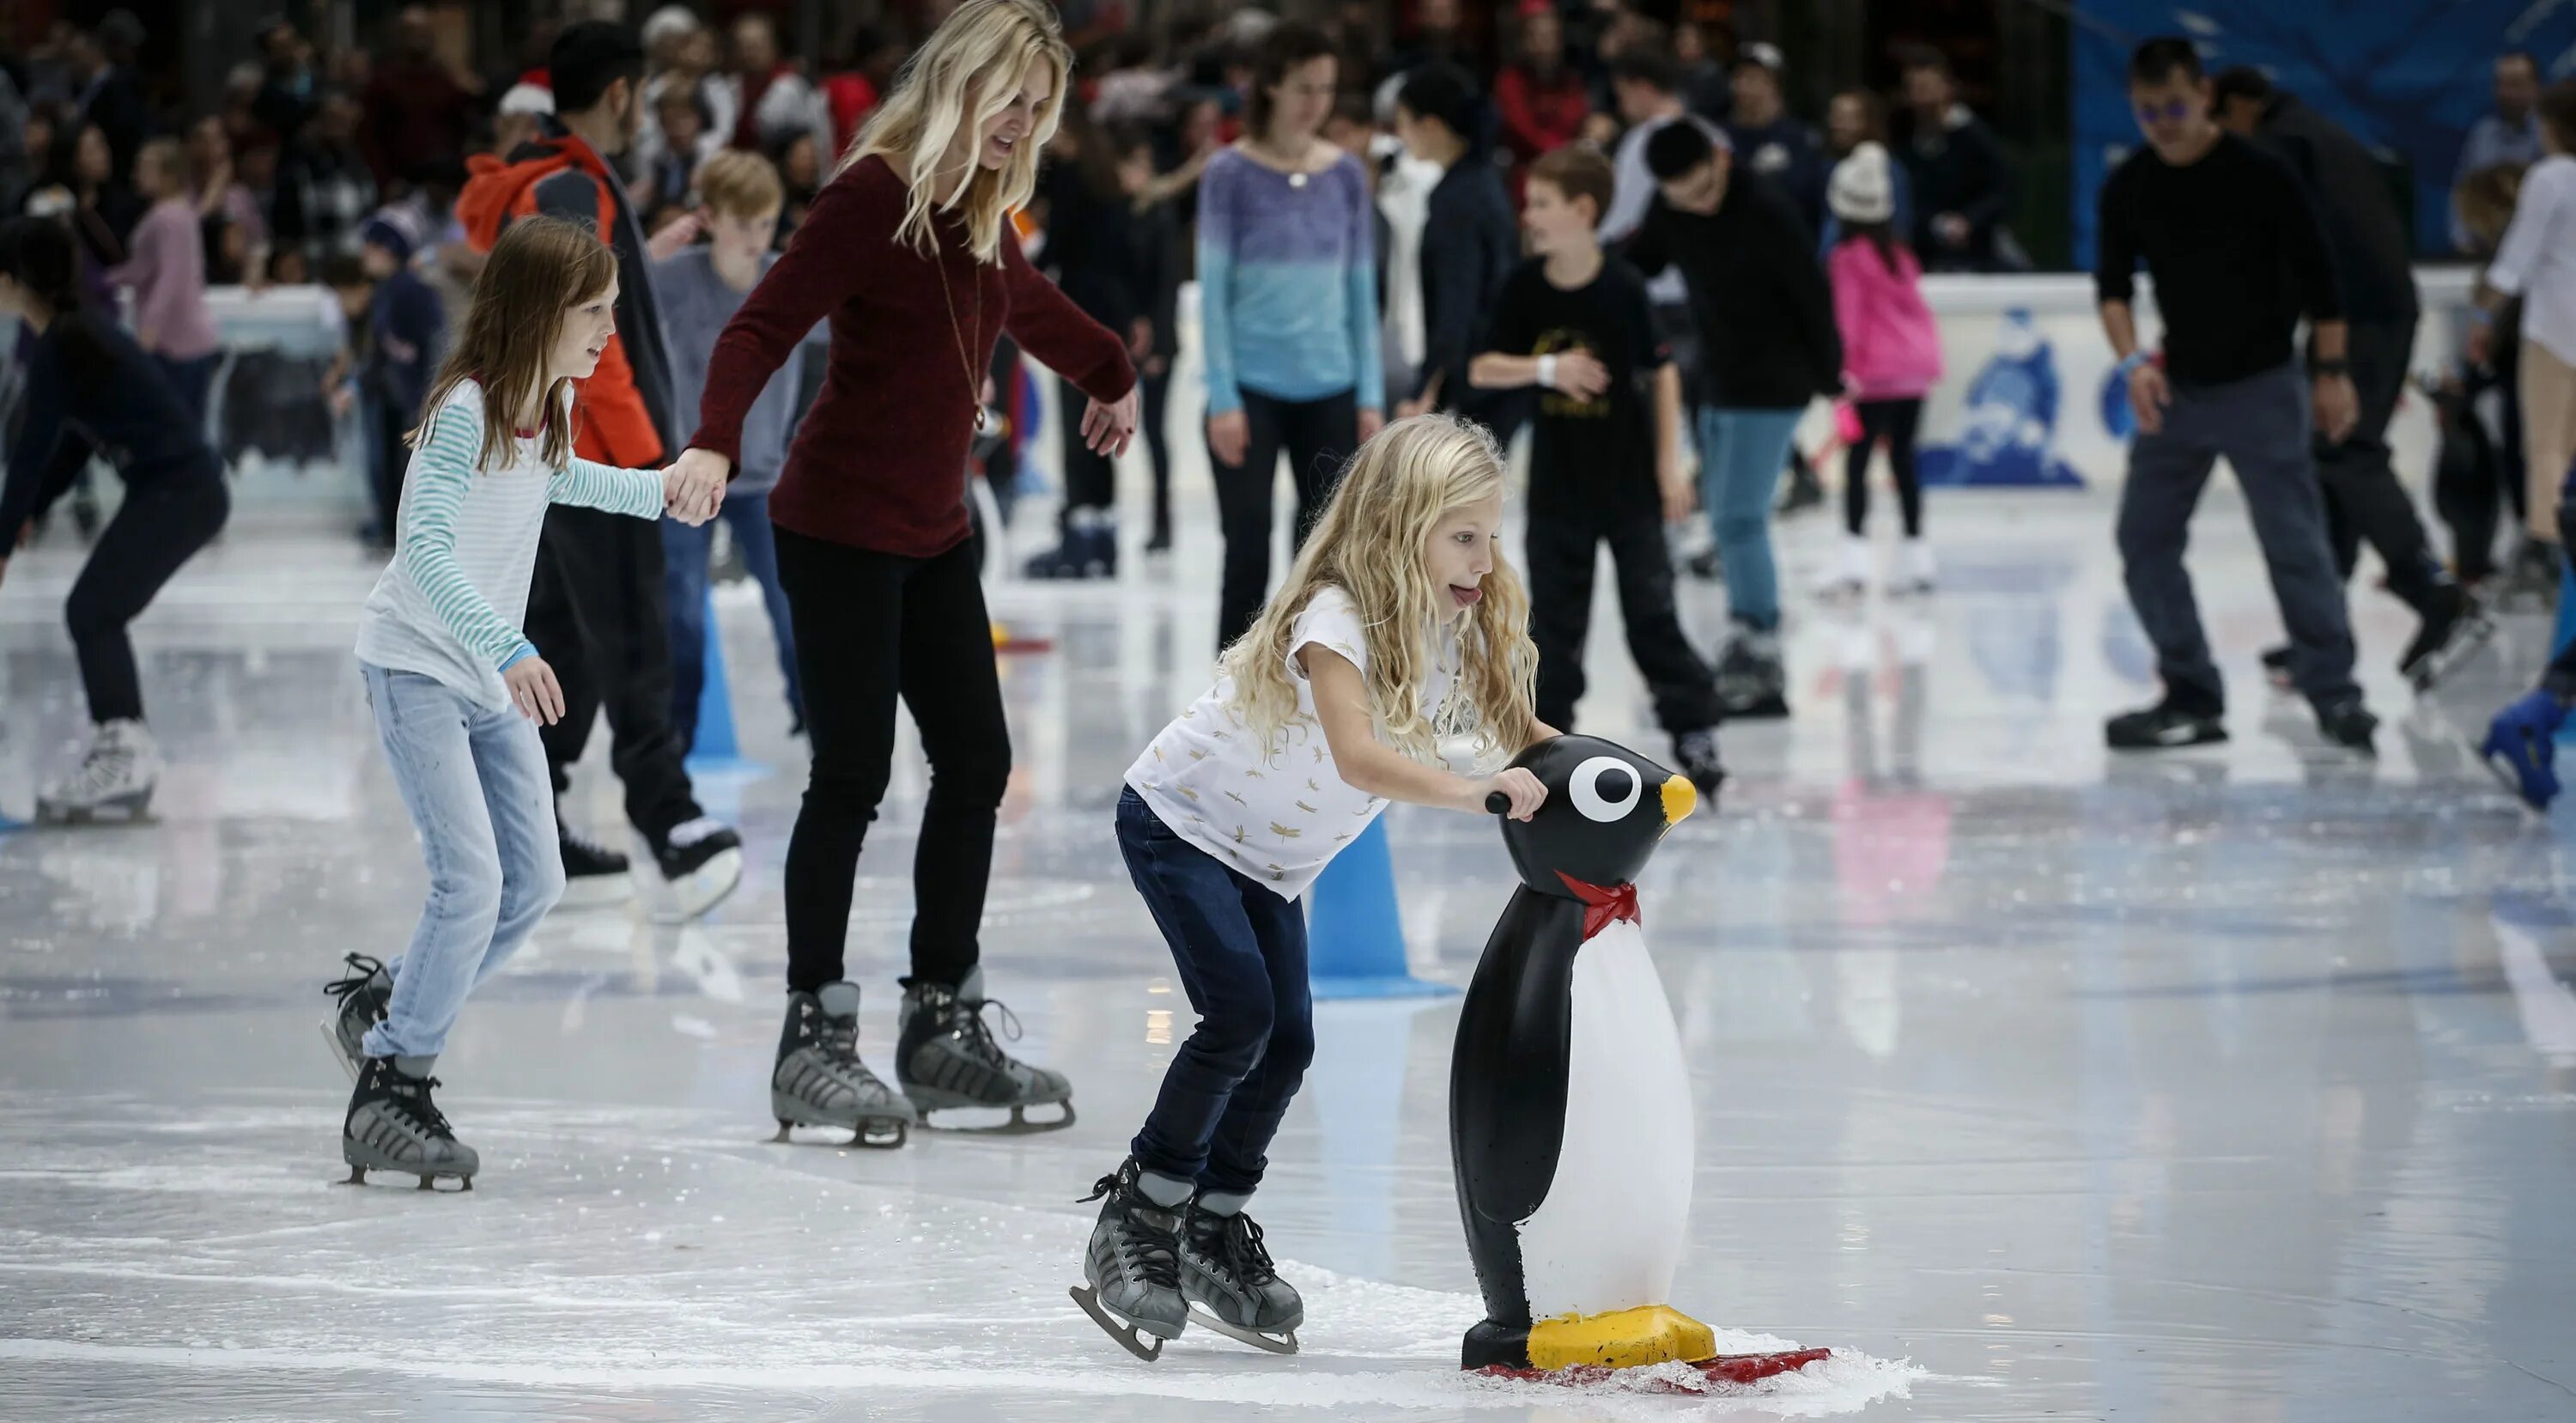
{"x": 693, "y": 487}
{"x": 1107, "y": 429}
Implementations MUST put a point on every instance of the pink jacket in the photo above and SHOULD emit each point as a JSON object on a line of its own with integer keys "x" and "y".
{"x": 1890, "y": 346}
{"x": 166, "y": 266}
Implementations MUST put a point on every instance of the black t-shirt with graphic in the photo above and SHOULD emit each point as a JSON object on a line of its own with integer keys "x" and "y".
{"x": 1588, "y": 456}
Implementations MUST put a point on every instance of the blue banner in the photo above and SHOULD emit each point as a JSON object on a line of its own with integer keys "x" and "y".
{"x": 2405, "y": 75}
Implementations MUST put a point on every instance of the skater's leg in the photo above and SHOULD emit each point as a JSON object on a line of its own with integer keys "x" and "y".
{"x": 554, "y": 625}
{"x": 157, "y": 529}
{"x": 1561, "y": 553}
{"x": 519, "y": 799}
{"x": 1203, "y": 910}
{"x": 954, "y": 691}
{"x": 2167, "y": 471}
{"x": 1856, "y": 458}
{"x": 426, "y": 730}
{"x": 2362, "y": 489}
{"x": 1243, "y": 495}
{"x": 634, "y": 675}
{"x": 2261, "y": 426}
{"x": 1682, "y": 684}
{"x": 848, "y": 608}
{"x": 748, "y": 516}
{"x": 1896, "y": 423}
{"x": 1158, "y": 447}
{"x": 2548, "y": 391}
{"x": 1319, "y": 436}
{"x": 685, "y": 550}
{"x": 1238, "y": 1152}
{"x": 1740, "y": 477}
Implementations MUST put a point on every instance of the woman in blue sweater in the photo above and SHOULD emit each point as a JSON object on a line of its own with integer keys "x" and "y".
{"x": 1288, "y": 310}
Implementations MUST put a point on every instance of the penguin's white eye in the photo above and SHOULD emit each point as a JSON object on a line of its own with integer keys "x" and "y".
{"x": 1604, "y": 788}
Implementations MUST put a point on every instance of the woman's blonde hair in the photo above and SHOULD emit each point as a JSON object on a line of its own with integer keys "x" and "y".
{"x": 1371, "y": 544}
{"x": 979, "y": 56}
{"x": 541, "y": 269}
{"x": 2485, "y": 201}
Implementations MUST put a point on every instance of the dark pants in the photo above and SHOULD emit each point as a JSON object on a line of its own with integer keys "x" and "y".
{"x": 389, "y": 461}
{"x": 1241, "y": 951}
{"x": 192, "y": 381}
{"x": 159, "y": 527}
{"x": 1563, "y": 555}
{"x": 1316, "y": 435}
{"x": 1158, "y": 446}
{"x": 596, "y": 614}
{"x": 685, "y": 554}
{"x": 2363, "y": 499}
{"x": 1892, "y": 422}
{"x": 871, "y": 627}
{"x": 2560, "y": 679}
{"x": 1090, "y": 478}
{"x": 2261, "y": 424}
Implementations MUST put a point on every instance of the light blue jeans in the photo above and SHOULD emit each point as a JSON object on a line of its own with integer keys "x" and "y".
{"x": 476, "y": 783}
{"x": 1741, "y": 454}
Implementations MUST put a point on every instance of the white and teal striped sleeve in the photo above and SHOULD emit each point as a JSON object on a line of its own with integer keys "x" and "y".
{"x": 599, "y": 486}
{"x": 442, "y": 476}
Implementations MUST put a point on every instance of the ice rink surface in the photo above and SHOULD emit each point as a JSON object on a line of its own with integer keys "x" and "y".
{"x": 2238, "y": 1085}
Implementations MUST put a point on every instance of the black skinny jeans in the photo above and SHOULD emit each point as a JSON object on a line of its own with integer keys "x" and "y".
{"x": 159, "y": 527}
{"x": 1317, "y": 435}
{"x": 2364, "y": 501}
{"x": 598, "y": 613}
{"x": 871, "y": 627}
{"x": 1894, "y": 422}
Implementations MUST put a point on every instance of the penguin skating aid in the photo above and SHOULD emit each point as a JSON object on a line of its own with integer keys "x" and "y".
{"x": 1570, "y": 1122}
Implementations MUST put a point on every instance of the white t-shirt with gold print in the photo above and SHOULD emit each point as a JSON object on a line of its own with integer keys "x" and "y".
{"x": 1274, "y": 814}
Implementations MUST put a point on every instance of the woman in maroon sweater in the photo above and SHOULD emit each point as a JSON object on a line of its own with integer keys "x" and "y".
{"x": 910, "y": 254}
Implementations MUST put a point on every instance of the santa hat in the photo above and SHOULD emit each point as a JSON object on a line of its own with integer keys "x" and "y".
{"x": 533, "y": 94}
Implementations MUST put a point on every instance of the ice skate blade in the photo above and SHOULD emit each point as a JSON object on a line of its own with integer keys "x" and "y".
{"x": 859, "y": 1135}
{"x": 1129, "y": 1335}
{"x": 1018, "y": 1125}
{"x": 2476, "y": 632}
{"x": 1723, "y": 1369}
{"x": 1284, "y": 1342}
{"x": 2501, "y": 766}
{"x": 331, "y": 1037}
{"x": 358, "y": 1177}
{"x": 124, "y": 810}
{"x": 597, "y": 891}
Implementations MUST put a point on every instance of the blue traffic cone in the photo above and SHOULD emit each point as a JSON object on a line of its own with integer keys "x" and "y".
{"x": 2566, "y": 632}
{"x": 1354, "y": 932}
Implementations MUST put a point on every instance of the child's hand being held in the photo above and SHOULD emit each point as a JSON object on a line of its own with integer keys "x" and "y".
{"x": 534, "y": 690}
{"x": 1524, "y": 790}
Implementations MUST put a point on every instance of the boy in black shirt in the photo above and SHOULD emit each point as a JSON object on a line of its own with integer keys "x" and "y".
{"x": 1606, "y": 454}
{"x": 2238, "y": 258}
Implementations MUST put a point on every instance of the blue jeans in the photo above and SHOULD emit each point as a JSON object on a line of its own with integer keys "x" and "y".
{"x": 685, "y": 551}
{"x": 1241, "y": 951}
{"x": 1741, "y": 454}
{"x": 475, "y": 781}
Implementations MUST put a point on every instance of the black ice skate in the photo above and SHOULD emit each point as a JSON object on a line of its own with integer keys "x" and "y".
{"x": 594, "y": 875}
{"x": 947, "y": 1059}
{"x": 819, "y": 1080}
{"x": 1132, "y": 1271}
{"x": 1232, "y": 1287}
{"x": 393, "y": 1126}
{"x": 2450, "y": 635}
{"x": 365, "y": 994}
{"x": 1751, "y": 683}
{"x": 701, "y": 863}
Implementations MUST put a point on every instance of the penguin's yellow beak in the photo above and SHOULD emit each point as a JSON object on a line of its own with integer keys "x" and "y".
{"x": 1680, "y": 799}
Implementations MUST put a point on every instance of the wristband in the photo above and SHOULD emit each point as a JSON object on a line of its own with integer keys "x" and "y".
{"x": 2322, "y": 368}
{"x": 2129, "y": 364}
{"x": 1547, "y": 371}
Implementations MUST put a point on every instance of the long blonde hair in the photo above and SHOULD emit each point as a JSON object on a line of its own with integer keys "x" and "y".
{"x": 541, "y": 269}
{"x": 980, "y": 54}
{"x": 1371, "y": 544}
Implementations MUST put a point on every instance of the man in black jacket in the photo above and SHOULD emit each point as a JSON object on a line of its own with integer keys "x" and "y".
{"x": 1470, "y": 245}
{"x": 1963, "y": 184}
{"x": 2367, "y": 235}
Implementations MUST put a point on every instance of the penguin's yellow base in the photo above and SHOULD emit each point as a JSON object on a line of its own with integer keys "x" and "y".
{"x": 1628, "y": 1339}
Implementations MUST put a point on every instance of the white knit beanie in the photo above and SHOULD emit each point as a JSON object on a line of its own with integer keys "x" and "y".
{"x": 1863, "y": 190}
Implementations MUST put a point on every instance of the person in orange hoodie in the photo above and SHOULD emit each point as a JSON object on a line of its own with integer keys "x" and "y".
{"x": 597, "y": 607}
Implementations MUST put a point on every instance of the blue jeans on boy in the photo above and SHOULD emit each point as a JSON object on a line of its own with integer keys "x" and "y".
{"x": 1241, "y": 951}
{"x": 1741, "y": 454}
{"x": 474, "y": 779}
{"x": 685, "y": 554}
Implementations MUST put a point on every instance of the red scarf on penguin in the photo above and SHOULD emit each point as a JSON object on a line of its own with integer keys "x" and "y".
{"x": 1603, "y": 906}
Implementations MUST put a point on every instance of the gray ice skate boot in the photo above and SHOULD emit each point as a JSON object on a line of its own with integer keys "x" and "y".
{"x": 819, "y": 1080}
{"x": 947, "y": 1058}
{"x": 365, "y": 994}
{"x": 1751, "y": 684}
{"x": 1132, "y": 1270}
{"x": 113, "y": 781}
{"x": 1230, "y": 1283}
{"x": 393, "y": 1126}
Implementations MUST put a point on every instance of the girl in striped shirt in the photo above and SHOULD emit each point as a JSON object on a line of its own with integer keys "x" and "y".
{"x": 458, "y": 690}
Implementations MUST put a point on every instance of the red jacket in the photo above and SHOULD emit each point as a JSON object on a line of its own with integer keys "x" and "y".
{"x": 1540, "y": 117}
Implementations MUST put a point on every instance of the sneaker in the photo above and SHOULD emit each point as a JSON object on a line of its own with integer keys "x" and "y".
{"x": 2163, "y": 727}
{"x": 1846, "y": 573}
{"x": 1697, "y": 753}
{"x": 2522, "y": 747}
{"x": 1915, "y": 571}
{"x": 594, "y": 874}
{"x": 701, "y": 863}
{"x": 2350, "y": 725}
{"x": 2447, "y": 638}
{"x": 1751, "y": 683}
{"x": 113, "y": 781}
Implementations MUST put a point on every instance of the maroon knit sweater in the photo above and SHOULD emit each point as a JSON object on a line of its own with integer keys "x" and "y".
{"x": 880, "y": 460}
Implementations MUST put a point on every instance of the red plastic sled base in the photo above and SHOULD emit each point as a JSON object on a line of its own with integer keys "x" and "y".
{"x": 1725, "y": 1368}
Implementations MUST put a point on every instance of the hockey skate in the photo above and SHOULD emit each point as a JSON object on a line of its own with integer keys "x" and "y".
{"x": 701, "y": 863}
{"x": 114, "y": 781}
{"x": 365, "y": 993}
{"x": 1132, "y": 1271}
{"x": 948, "y": 1059}
{"x": 393, "y": 1126}
{"x": 1232, "y": 1287}
{"x": 819, "y": 1080}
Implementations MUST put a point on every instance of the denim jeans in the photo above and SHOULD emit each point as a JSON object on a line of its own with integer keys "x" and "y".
{"x": 1741, "y": 454}
{"x": 685, "y": 552}
{"x": 1241, "y": 951}
{"x": 474, "y": 779}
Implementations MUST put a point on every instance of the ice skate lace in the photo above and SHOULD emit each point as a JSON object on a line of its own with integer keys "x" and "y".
{"x": 1142, "y": 1249}
{"x": 413, "y": 1097}
{"x": 1239, "y": 1241}
{"x": 103, "y": 770}
{"x": 966, "y": 1020}
{"x": 362, "y": 972}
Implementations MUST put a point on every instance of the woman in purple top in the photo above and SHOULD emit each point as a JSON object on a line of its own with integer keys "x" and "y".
{"x": 1287, "y": 311}
{"x": 165, "y": 265}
